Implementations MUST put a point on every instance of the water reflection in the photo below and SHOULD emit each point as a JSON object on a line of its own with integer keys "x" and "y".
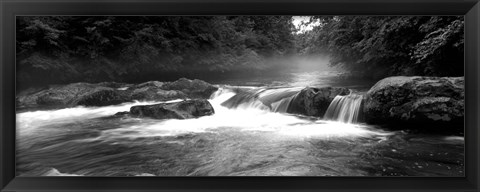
{"x": 315, "y": 78}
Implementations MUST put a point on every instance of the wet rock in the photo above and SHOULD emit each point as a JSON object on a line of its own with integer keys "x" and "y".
{"x": 156, "y": 94}
{"x": 313, "y": 101}
{"x": 72, "y": 95}
{"x": 28, "y": 98}
{"x": 428, "y": 102}
{"x": 114, "y": 85}
{"x": 121, "y": 114}
{"x": 192, "y": 88}
{"x": 111, "y": 93}
{"x": 241, "y": 97}
{"x": 178, "y": 110}
{"x": 266, "y": 99}
{"x": 63, "y": 95}
{"x": 150, "y": 84}
{"x": 102, "y": 97}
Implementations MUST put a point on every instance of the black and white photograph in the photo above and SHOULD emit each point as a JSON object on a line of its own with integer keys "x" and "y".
{"x": 227, "y": 95}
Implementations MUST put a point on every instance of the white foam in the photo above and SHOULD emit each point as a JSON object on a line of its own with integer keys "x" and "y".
{"x": 55, "y": 172}
{"x": 241, "y": 119}
{"x": 27, "y": 121}
{"x": 345, "y": 108}
{"x": 454, "y": 138}
{"x": 145, "y": 175}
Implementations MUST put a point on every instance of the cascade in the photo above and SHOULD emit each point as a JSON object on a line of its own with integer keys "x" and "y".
{"x": 345, "y": 108}
{"x": 270, "y": 99}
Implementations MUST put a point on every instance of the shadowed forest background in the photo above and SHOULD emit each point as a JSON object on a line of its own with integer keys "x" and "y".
{"x": 59, "y": 50}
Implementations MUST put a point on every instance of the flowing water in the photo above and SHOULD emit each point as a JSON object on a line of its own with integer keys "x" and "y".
{"x": 249, "y": 135}
{"x": 345, "y": 108}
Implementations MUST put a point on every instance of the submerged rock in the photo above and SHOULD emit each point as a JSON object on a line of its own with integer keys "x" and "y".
{"x": 313, "y": 101}
{"x": 427, "y": 102}
{"x": 240, "y": 98}
{"x": 274, "y": 98}
{"x": 121, "y": 114}
{"x": 178, "y": 110}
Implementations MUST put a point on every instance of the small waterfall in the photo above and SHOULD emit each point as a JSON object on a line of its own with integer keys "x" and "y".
{"x": 345, "y": 108}
{"x": 282, "y": 105}
{"x": 270, "y": 99}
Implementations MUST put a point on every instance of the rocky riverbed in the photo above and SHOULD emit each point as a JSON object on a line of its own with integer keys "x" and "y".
{"x": 414, "y": 102}
{"x": 402, "y": 126}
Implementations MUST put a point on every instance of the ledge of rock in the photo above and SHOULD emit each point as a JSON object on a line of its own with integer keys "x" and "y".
{"x": 193, "y": 88}
{"x": 155, "y": 94}
{"x": 313, "y": 101}
{"x": 102, "y": 97}
{"x": 177, "y": 110}
{"x": 112, "y": 93}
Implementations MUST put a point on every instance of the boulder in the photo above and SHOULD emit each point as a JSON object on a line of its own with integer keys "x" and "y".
{"x": 157, "y": 84}
{"x": 312, "y": 101}
{"x": 102, "y": 97}
{"x": 155, "y": 94}
{"x": 179, "y": 110}
{"x": 55, "y": 95}
{"x": 114, "y": 85}
{"x": 427, "y": 102}
{"x": 111, "y": 93}
{"x": 72, "y": 95}
{"x": 28, "y": 98}
{"x": 192, "y": 88}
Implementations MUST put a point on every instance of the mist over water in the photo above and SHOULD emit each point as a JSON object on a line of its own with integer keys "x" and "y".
{"x": 295, "y": 72}
{"x": 245, "y": 136}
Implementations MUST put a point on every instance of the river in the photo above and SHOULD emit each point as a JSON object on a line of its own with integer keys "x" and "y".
{"x": 242, "y": 141}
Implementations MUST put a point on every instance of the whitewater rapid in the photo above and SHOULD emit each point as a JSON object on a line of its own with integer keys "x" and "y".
{"x": 253, "y": 137}
{"x": 249, "y": 117}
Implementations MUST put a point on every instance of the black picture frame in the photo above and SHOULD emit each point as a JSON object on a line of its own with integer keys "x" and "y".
{"x": 10, "y": 8}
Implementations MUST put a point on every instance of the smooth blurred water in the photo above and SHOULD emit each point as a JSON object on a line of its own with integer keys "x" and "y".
{"x": 345, "y": 108}
{"x": 246, "y": 140}
{"x": 313, "y": 78}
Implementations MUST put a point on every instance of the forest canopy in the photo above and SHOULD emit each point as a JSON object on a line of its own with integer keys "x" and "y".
{"x": 65, "y": 49}
{"x": 379, "y": 46}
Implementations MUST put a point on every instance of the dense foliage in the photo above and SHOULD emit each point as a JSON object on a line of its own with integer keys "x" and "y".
{"x": 379, "y": 46}
{"x": 69, "y": 49}
{"x": 63, "y": 49}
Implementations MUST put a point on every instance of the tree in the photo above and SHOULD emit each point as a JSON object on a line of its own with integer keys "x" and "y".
{"x": 61, "y": 49}
{"x": 379, "y": 46}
